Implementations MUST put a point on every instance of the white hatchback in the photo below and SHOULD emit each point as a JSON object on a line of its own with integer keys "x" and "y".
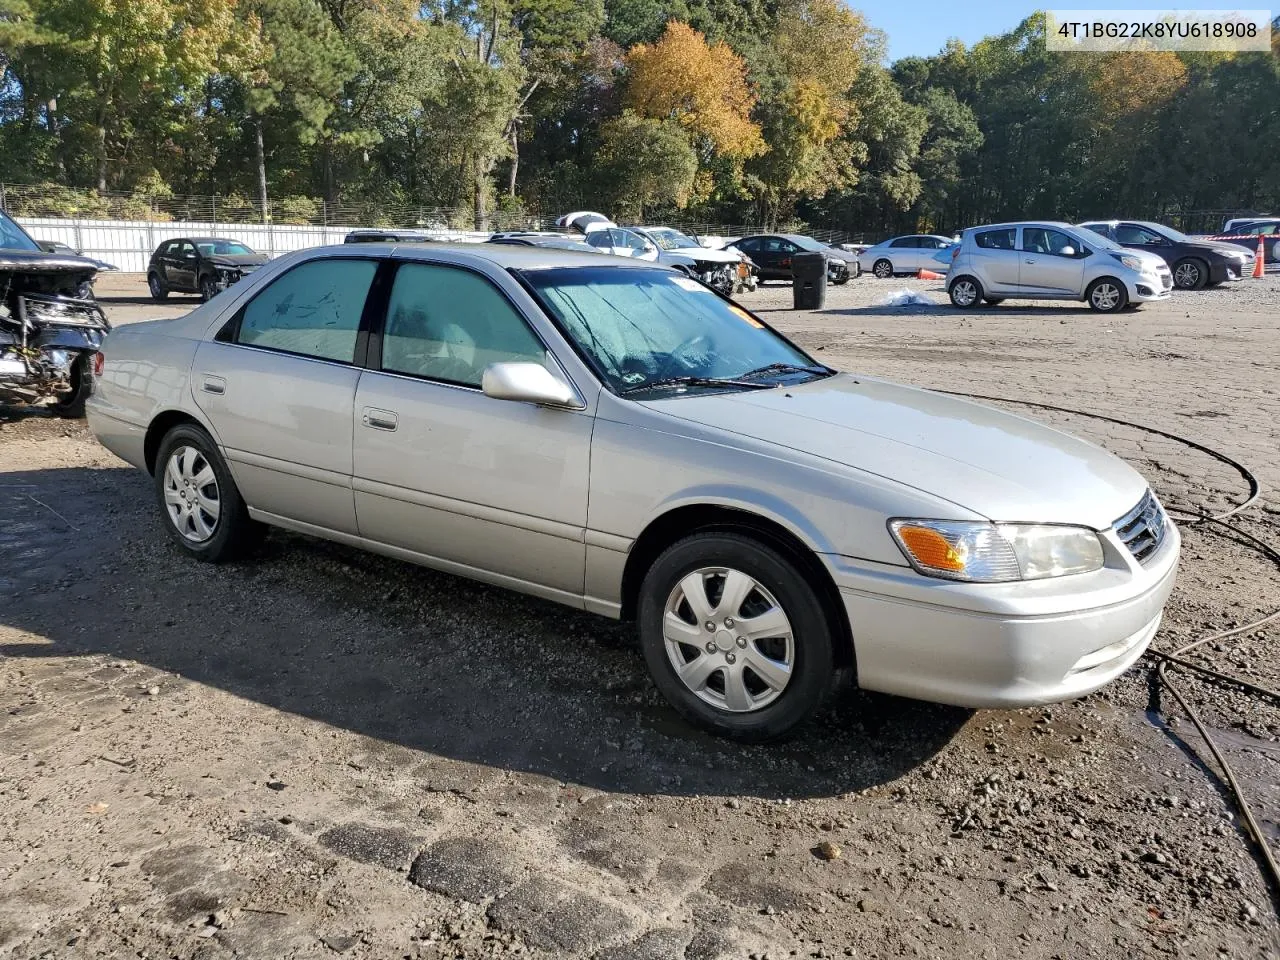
{"x": 1045, "y": 260}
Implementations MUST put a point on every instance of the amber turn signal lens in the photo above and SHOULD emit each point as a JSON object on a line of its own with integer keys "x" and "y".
{"x": 930, "y": 548}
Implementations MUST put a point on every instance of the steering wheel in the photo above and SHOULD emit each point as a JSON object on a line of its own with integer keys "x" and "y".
{"x": 667, "y": 367}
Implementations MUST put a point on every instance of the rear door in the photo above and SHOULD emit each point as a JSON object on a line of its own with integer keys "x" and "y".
{"x": 904, "y": 254}
{"x": 1046, "y": 269}
{"x": 278, "y": 384}
{"x": 997, "y": 259}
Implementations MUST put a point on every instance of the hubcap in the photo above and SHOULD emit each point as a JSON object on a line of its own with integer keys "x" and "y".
{"x": 728, "y": 639}
{"x": 1105, "y": 296}
{"x": 1187, "y": 275}
{"x": 191, "y": 494}
{"x": 964, "y": 293}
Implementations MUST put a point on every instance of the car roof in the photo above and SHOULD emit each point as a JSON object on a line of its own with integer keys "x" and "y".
{"x": 212, "y": 240}
{"x": 508, "y": 256}
{"x": 1052, "y": 224}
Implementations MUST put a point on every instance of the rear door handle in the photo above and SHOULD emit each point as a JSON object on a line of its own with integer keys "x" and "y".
{"x": 212, "y": 384}
{"x": 380, "y": 419}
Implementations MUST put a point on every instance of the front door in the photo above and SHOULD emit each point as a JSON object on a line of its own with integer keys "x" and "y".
{"x": 1046, "y": 268}
{"x": 278, "y": 385}
{"x": 453, "y": 475}
{"x": 182, "y": 268}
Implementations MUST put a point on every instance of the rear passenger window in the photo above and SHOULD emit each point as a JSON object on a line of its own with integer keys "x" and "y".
{"x": 996, "y": 239}
{"x": 445, "y": 323}
{"x": 911, "y": 242}
{"x": 313, "y": 310}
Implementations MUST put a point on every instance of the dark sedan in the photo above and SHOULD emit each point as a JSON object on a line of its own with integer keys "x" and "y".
{"x": 1194, "y": 263}
{"x": 1245, "y": 233}
{"x": 772, "y": 253}
{"x": 203, "y": 265}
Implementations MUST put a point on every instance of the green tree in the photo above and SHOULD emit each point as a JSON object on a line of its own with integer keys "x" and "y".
{"x": 645, "y": 163}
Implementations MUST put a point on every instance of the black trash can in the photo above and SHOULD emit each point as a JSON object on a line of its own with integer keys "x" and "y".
{"x": 809, "y": 281}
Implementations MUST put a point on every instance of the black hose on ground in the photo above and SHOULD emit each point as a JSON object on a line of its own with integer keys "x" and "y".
{"x": 1217, "y": 524}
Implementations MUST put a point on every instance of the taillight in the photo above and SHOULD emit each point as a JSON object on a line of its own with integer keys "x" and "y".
{"x": 955, "y": 252}
{"x": 98, "y": 361}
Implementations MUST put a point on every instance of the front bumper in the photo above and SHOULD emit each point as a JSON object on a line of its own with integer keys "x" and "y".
{"x": 1150, "y": 286}
{"x": 1004, "y": 645}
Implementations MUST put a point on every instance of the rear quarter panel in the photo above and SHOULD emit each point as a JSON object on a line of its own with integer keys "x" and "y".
{"x": 146, "y": 373}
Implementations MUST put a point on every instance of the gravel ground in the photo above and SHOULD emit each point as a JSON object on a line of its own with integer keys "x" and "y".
{"x": 324, "y": 753}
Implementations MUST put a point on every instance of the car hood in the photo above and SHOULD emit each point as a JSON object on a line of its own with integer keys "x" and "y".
{"x": 1217, "y": 246}
{"x": 707, "y": 256}
{"x": 996, "y": 464}
{"x": 239, "y": 259}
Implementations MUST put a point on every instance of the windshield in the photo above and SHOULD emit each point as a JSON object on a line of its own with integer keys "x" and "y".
{"x": 1167, "y": 232}
{"x": 641, "y": 326}
{"x": 13, "y": 237}
{"x": 223, "y": 248}
{"x": 669, "y": 239}
{"x": 807, "y": 243}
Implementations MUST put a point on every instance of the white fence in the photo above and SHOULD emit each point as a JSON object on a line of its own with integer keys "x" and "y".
{"x": 129, "y": 244}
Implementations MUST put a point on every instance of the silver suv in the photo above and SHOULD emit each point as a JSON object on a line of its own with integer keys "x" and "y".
{"x": 1053, "y": 261}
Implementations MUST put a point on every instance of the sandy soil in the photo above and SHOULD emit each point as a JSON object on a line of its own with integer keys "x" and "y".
{"x": 322, "y": 753}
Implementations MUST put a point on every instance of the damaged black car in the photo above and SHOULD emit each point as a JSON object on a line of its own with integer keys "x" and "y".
{"x": 203, "y": 265}
{"x": 50, "y": 325}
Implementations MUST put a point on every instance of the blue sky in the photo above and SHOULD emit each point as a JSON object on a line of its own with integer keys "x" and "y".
{"x": 921, "y": 27}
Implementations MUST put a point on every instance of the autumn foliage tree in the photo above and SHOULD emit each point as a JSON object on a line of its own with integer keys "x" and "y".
{"x": 701, "y": 86}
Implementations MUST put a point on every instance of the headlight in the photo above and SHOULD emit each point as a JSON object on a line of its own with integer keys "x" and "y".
{"x": 996, "y": 552}
{"x": 1133, "y": 263}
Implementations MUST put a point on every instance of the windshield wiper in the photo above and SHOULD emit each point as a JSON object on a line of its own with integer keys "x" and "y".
{"x": 786, "y": 368}
{"x": 694, "y": 382}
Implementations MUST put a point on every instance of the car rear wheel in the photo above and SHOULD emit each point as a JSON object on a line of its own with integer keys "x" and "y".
{"x": 156, "y": 286}
{"x": 883, "y": 269}
{"x": 966, "y": 292}
{"x": 1107, "y": 295}
{"x": 1190, "y": 274}
{"x": 200, "y": 503}
{"x": 735, "y": 637}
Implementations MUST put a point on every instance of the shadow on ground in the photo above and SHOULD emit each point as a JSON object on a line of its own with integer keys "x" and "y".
{"x": 392, "y": 651}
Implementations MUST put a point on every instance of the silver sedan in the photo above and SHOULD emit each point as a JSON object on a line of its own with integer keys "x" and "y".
{"x": 615, "y": 436}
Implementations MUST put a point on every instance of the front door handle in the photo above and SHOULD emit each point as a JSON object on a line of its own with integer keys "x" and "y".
{"x": 1030, "y": 260}
{"x": 212, "y": 384}
{"x": 380, "y": 419}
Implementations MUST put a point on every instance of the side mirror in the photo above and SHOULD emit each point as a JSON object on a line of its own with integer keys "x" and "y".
{"x": 527, "y": 383}
{"x": 1068, "y": 251}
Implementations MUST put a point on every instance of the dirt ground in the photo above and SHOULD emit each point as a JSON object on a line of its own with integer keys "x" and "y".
{"x": 322, "y": 753}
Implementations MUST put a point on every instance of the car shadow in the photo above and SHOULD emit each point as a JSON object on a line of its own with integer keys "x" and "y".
{"x": 396, "y": 652}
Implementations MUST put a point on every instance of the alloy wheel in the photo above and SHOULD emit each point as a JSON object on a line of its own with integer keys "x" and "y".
{"x": 1106, "y": 296}
{"x": 191, "y": 494}
{"x": 728, "y": 639}
{"x": 1187, "y": 276}
{"x": 964, "y": 292}
{"x": 883, "y": 269}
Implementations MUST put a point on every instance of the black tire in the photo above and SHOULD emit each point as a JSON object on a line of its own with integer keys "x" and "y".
{"x": 1094, "y": 295}
{"x": 1190, "y": 273}
{"x": 962, "y": 288}
{"x": 840, "y": 281}
{"x": 70, "y": 405}
{"x": 882, "y": 269}
{"x": 233, "y": 534}
{"x": 158, "y": 290}
{"x": 208, "y": 287}
{"x": 813, "y": 673}
{"x": 993, "y": 301}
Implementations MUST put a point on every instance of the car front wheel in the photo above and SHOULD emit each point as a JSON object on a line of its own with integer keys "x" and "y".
{"x": 201, "y": 505}
{"x": 883, "y": 269}
{"x": 1190, "y": 274}
{"x": 208, "y": 287}
{"x": 965, "y": 292}
{"x": 1107, "y": 295}
{"x": 735, "y": 637}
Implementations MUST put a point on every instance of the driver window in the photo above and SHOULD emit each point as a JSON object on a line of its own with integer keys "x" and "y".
{"x": 1041, "y": 240}
{"x": 187, "y": 252}
{"x": 448, "y": 324}
{"x": 632, "y": 240}
{"x": 1130, "y": 235}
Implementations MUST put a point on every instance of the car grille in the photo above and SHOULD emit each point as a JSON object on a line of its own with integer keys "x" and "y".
{"x": 1142, "y": 529}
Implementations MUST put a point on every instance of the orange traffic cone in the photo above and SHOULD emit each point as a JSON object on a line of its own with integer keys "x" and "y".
{"x": 928, "y": 275}
{"x": 1259, "y": 267}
